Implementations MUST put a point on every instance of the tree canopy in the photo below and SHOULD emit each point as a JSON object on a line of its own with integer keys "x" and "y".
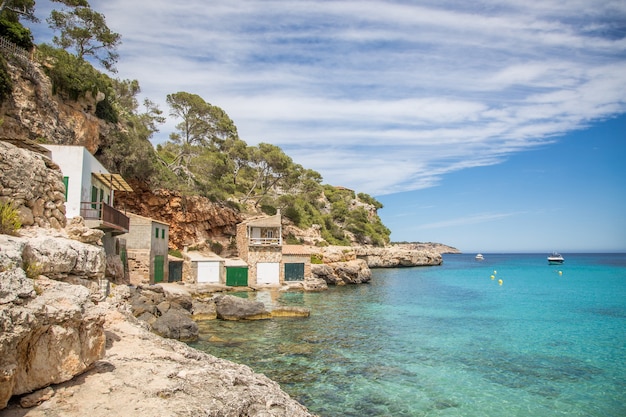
{"x": 85, "y": 31}
{"x": 204, "y": 154}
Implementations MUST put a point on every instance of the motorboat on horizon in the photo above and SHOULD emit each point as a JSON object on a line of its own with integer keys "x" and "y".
{"x": 555, "y": 259}
{"x": 480, "y": 257}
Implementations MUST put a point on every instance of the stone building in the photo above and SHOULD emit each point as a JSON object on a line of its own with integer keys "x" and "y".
{"x": 147, "y": 244}
{"x": 270, "y": 263}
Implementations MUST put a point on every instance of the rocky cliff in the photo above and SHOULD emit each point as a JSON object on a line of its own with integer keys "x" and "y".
{"x": 192, "y": 219}
{"x": 34, "y": 112}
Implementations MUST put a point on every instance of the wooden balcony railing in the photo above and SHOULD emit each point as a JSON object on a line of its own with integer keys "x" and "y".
{"x": 109, "y": 217}
{"x": 264, "y": 241}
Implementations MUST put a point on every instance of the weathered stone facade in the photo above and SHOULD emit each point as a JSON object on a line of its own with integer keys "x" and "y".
{"x": 35, "y": 186}
{"x": 138, "y": 266}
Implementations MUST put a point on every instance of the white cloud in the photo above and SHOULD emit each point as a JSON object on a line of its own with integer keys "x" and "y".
{"x": 383, "y": 96}
{"x": 474, "y": 219}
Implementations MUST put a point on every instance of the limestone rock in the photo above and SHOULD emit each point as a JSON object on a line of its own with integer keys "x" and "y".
{"x": 314, "y": 284}
{"x": 291, "y": 311}
{"x": 342, "y": 273}
{"x": 32, "y": 111}
{"x": 192, "y": 219}
{"x": 36, "y": 397}
{"x": 114, "y": 270}
{"x": 48, "y": 339}
{"x": 15, "y": 286}
{"x": 77, "y": 230}
{"x": 59, "y": 257}
{"x": 11, "y": 249}
{"x": 143, "y": 374}
{"x": 230, "y": 307}
{"x": 34, "y": 184}
{"x": 176, "y": 324}
{"x": 204, "y": 309}
{"x": 393, "y": 257}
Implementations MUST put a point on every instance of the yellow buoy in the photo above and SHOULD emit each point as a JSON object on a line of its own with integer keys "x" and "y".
{"x": 560, "y": 272}
{"x": 493, "y": 277}
{"x": 495, "y": 272}
{"x": 499, "y": 282}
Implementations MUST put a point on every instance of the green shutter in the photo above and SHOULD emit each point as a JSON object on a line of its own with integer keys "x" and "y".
{"x": 94, "y": 196}
{"x": 66, "y": 181}
{"x": 162, "y": 233}
{"x": 156, "y": 234}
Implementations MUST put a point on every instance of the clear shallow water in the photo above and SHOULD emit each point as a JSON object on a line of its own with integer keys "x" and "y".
{"x": 449, "y": 341}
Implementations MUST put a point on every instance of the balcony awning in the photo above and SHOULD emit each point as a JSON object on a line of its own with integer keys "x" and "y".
{"x": 272, "y": 221}
{"x": 115, "y": 181}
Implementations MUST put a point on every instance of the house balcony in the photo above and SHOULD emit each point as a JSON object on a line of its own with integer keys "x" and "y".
{"x": 265, "y": 241}
{"x": 100, "y": 215}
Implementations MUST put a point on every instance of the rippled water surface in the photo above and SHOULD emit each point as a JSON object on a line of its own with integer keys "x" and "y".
{"x": 449, "y": 340}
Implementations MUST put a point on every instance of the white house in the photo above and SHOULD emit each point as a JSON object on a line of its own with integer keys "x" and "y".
{"x": 89, "y": 190}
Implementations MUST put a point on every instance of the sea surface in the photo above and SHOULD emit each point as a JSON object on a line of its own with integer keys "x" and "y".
{"x": 449, "y": 340}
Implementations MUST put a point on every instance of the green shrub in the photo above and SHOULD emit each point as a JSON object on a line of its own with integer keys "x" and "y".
{"x": 368, "y": 199}
{"x": 9, "y": 219}
{"x": 32, "y": 270}
{"x": 6, "y": 85}
{"x": 216, "y": 247}
{"x": 74, "y": 77}
{"x": 316, "y": 258}
{"x": 292, "y": 240}
{"x": 175, "y": 252}
{"x": 269, "y": 210}
{"x": 15, "y": 32}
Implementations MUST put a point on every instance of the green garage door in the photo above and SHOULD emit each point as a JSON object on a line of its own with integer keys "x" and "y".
{"x": 294, "y": 272}
{"x": 159, "y": 263}
{"x": 237, "y": 276}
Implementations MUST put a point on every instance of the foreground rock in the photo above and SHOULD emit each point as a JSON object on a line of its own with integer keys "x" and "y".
{"x": 167, "y": 313}
{"x": 49, "y": 332}
{"x": 143, "y": 374}
{"x": 230, "y": 307}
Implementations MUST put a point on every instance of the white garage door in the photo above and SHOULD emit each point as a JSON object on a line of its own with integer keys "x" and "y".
{"x": 267, "y": 273}
{"x": 208, "y": 272}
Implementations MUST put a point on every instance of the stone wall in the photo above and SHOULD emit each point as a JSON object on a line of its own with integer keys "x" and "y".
{"x": 138, "y": 266}
{"x": 35, "y": 186}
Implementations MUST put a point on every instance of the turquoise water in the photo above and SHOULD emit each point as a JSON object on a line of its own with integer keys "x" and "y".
{"x": 449, "y": 341}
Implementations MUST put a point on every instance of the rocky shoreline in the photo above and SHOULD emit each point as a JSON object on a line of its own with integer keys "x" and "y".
{"x": 67, "y": 348}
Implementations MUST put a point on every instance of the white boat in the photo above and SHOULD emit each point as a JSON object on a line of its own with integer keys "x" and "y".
{"x": 480, "y": 257}
{"x": 555, "y": 259}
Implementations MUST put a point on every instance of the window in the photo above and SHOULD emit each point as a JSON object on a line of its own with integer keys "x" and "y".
{"x": 66, "y": 181}
{"x": 94, "y": 196}
{"x": 162, "y": 233}
{"x": 157, "y": 233}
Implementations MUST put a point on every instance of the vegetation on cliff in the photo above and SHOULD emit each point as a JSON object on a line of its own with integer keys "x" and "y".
{"x": 204, "y": 155}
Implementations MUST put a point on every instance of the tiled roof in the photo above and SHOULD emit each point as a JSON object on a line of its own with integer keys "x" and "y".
{"x": 296, "y": 250}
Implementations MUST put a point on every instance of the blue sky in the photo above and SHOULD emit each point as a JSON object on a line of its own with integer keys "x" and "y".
{"x": 486, "y": 125}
